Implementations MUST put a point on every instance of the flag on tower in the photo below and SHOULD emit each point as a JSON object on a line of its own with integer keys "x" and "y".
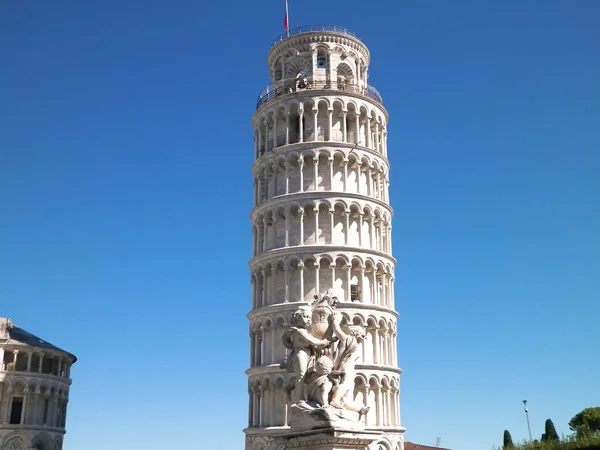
{"x": 285, "y": 20}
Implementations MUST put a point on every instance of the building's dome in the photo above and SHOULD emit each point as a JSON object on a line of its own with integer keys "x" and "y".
{"x": 12, "y": 335}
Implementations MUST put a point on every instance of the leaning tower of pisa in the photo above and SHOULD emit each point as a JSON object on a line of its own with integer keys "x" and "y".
{"x": 321, "y": 220}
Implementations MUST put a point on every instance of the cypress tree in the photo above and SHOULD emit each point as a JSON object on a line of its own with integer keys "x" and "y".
{"x": 508, "y": 442}
{"x": 550, "y": 434}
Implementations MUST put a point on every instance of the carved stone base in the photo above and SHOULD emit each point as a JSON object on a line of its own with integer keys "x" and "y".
{"x": 327, "y": 439}
{"x": 304, "y": 417}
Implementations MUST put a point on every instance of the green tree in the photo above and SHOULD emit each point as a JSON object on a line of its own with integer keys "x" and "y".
{"x": 591, "y": 416}
{"x": 508, "y": 442}
{"x": 583, "y": 431}
{"x": 550, "y": 434}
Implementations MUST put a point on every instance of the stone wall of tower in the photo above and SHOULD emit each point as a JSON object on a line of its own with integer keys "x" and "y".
{"x": 321, "y": 220}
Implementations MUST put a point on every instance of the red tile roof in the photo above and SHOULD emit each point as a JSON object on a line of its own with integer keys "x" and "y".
{"x": 411, "y": 446}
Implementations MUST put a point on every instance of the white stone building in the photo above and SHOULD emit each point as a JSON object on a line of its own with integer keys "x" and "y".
{"x": 321, "y": 220}
{"x": 34, "y": 390}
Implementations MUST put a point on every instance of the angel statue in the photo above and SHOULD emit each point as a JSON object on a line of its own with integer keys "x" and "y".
{"x": 302, "y": 345}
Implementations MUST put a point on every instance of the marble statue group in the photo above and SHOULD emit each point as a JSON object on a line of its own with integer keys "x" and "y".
{"x": 322, "y": 357}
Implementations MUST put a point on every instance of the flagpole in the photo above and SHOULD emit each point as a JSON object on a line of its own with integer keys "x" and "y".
{"x": 287, "y": 15}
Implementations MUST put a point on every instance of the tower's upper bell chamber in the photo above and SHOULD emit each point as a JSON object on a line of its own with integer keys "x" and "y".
{"x": 318, "y": 57}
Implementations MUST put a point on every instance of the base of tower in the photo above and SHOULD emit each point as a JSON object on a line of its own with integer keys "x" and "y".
{"x": 327, "y": 439}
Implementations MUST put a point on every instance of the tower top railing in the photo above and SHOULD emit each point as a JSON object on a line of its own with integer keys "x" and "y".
{"x": 296, "y": 86}
{"x": 311, "y": 29}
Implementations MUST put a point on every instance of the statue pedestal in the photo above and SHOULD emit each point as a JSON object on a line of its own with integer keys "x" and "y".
{"x": 328, "y": 439}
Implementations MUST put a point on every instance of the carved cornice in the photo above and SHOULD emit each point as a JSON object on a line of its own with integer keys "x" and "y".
{"x": 287, "y": 200}
{"x": 282, "y": 308}
{"x": 313, "y": 94}
{"x": 303, "y": 251}
{"x": 317, "y": 146}
{"x": 318, "y": 37}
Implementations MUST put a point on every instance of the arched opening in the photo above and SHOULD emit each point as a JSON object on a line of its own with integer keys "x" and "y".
{"x": 345, "y": 77}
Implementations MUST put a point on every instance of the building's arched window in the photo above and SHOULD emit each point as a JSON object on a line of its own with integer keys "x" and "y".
{"x": 321, "y": 58}
{"x": 321, "y": 61}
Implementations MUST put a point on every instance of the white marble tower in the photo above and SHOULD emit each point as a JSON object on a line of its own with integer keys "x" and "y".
{"x": 35, "y": 378}
{"x": 321, "y": 220}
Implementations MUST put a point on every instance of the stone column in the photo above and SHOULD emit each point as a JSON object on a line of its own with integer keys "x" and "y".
{"x": 392, "y": 292}
{"x": 301, "y": 269}
{"x": 384, "y": 301}
{"x": 287, "y": 284}
{"x": 266, "y": 135}
{"x": 348, "y": 213}
{"x": 384, "y": 143}
{"x": 287, "y": 226}
{"x": 272, "y": 289}
{"x": 260, "y": 152}
{"x": 273, "y": 347}
{"x": 332, "y": 225}
{"x": 25, "y": 401}
{"x": 316, "y": 122}
{"x": 287, "y": 128}
{"x": 345, "y": 180}
{"x": 301, "y": 169}
{"x": 316, "y": 209}
{"x": 287, "y": 177}
{"x": 257, "y": 405}
{"x": 301, "y": 128}
{"x": 274, "y": 233}
{"x": 263, "y": 285}
{"x": 332, "y": 268}
{"x": 301, "y": 214}
{"x": 349, "y": 282}
{"x": 344, "y": 127}
{"x": 275, "y": 176}
{"x": 316, "y": 162}
{"x": 275, "y": 131}
{"x": 330, "y": 123}
{"x": 264, "y": 234}
{"x": 259, "y": 195}
{"x": 250, "y": 406}
{"x": 330, "y": 161}
{"x": 378, "y": 412}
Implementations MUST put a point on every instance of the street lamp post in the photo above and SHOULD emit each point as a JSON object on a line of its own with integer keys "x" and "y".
{"x": 527, "y": 417}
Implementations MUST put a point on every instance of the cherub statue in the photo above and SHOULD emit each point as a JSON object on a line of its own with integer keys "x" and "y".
{"x": 318, "y": 382}
{"x": 303, "y": 345}
{"x": 345, "y": 357}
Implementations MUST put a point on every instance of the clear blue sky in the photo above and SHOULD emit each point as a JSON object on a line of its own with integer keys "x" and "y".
{"x": 125, "y": 188}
